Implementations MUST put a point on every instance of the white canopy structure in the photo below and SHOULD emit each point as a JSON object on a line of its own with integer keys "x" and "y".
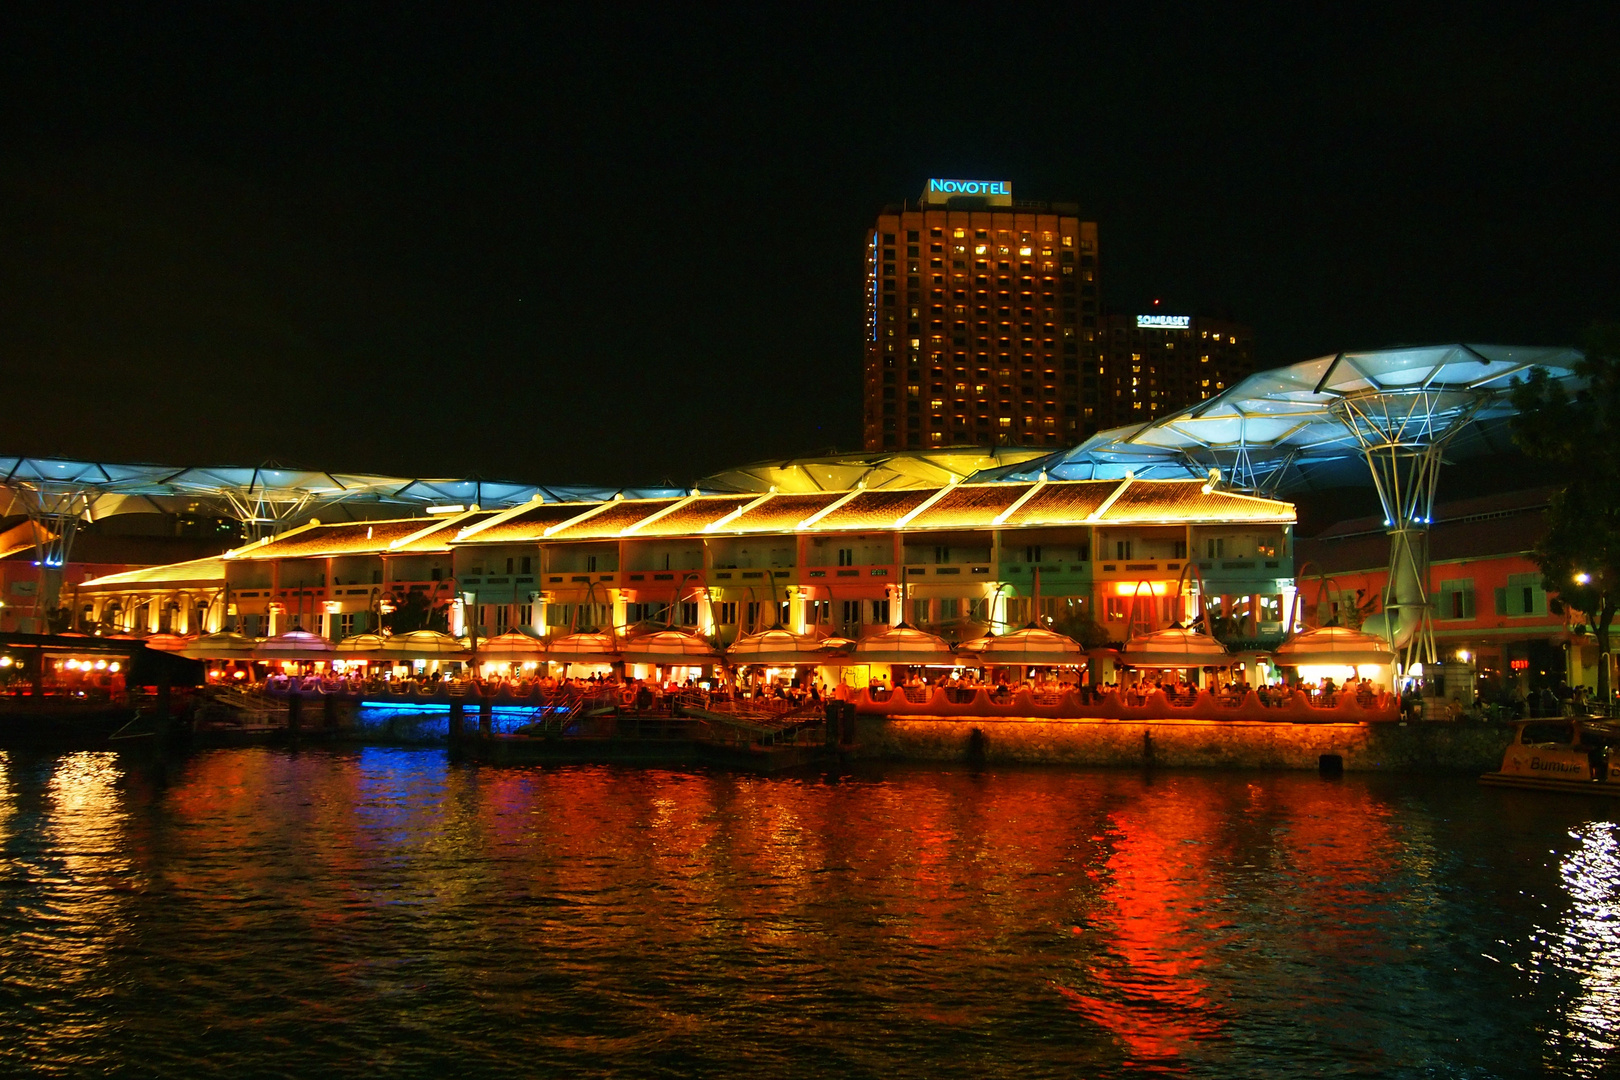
{"x": 1305, "y": 425}
{"x": 1389, "y": 414}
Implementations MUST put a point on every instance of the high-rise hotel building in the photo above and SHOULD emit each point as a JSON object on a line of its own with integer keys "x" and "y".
{"x": 981, "y": 315}
{"x": 1157, "y": 363}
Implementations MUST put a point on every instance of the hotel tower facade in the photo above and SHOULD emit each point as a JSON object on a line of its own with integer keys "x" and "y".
{"x": 981, "y": 318}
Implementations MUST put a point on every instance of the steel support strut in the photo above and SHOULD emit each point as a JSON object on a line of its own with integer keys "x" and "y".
{"x": 1402, "y": 434}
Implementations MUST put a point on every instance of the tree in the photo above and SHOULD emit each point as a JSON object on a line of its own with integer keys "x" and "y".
{"x": 415, "y": 612}
{"x": 1579, "y": 557}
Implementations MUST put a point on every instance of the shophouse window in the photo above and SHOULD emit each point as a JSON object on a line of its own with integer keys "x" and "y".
{"x": 725, "y": 612}
{"x": 1122, "y": 549}
{"x": 1216, "y": 548}
{"x": 689, "y": 613}
{"x": 950, "y": 608}
{"x": 1114, "y": 608}
{"x": 1032, "y": 554}
{"x": 880, "y": 612}
{"x": 1522, "y": 596}
{"x": 846, "y": 556}
{"x": 1456, "y": 599}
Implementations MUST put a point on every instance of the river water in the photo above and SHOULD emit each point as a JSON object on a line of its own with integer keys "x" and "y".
{"x": 388, "y": 912}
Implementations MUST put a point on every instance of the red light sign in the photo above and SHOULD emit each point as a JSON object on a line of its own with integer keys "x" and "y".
{"x": 1519, "y": 665}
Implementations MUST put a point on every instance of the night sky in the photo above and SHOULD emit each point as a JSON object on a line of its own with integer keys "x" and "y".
{"x": 624, "y": 244}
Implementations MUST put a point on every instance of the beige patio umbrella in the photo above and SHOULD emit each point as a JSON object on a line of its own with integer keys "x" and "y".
{"x": 222, "y": 645}
{"x": 1175, "y": 647}
{"x": 425, "y": 645}
{"x": 904, "y": 645}
{"x": 780, "y": 647}
{"x": 512, "y": 647}
{"x": 671, "y": 648}
{"x": 1336, "y": 645}
{"x": 596, "y": 647}
{"x": 294, "y": 645}
{"x": 361, "y": 647}
{"x": 1031, "y": 646}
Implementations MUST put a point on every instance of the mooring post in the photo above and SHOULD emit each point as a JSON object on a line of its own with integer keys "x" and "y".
{"x": 457, "y": 716}
{"x": 295, "y": 711}
{"x": 329, "y": 711}
{"x": 486, "y": 717}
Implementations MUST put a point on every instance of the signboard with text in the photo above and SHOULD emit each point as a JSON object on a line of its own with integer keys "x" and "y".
{"x": 1164, "y": 322}
{"x": 996, "y": 192}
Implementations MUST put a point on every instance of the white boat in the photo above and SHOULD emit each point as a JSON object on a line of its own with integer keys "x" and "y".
{"x": 1574, "y": 754}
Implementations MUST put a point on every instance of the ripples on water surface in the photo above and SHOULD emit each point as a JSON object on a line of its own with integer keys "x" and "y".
{"x": 388, "y": 912}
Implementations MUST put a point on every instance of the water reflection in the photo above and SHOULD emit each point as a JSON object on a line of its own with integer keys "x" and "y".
{"x": 1585, "y": 946}
{"x": 386, "y": 909}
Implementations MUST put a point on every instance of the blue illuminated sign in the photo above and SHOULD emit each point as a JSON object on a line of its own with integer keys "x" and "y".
{"x": 1163, "y": 322}
{"x": 970, "y": 187}
{"x": 996, "y": 192}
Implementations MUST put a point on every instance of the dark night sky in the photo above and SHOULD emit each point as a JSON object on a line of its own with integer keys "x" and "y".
{"x": 624, "y": 244}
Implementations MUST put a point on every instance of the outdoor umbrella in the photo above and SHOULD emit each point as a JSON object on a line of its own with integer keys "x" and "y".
{"x": 585, "y": 648}
{"x": 1176, "y": 647}
{"x": 904, "y": 645}
{"x": 672, "y": 648}
{"x": 778, "y": 646}
{"x": 223, "y": 645}
{"x": 1041, "y": 648}
{"x": 425, "y": 645}
{"x": 1336, "y": 645}
{"x": 293, "y": 645}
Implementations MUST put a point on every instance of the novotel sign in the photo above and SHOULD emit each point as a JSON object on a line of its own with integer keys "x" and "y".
{"x": 999, "y": 192}
{"x": 1163, "y": 322}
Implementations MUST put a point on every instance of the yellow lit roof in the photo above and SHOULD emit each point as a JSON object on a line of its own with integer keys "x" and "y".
{"x": 341, "y": 538}
{"x": 1185, "y": 501}
{"x": 208, "y": 571}
{"x": 969, "y": 506}
{"x": 874, "y": 509}
{"x": 781, "y": 513}
{"x": 693, "y": 516}
{"x": 525, "y": 525}
{"x": 613, "y": 519}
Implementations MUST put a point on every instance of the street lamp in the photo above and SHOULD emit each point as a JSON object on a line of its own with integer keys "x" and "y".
{"x": 1583, "y": 578}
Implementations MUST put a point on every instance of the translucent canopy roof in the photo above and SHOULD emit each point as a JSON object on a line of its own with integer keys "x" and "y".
{"x": 889, "y": 469}
{"x": 1280, "y": 430}
{"x": 267, "y": 493}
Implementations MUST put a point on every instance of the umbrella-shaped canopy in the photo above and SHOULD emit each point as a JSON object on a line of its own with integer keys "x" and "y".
{"x": 779, "y": 646}
{"x": 294, "y": 645}
{"x": 425, "y": 645}
{"x": 514, "y": 646}
{"x": 1333, "y": 645}
{"x": 904, "y": 645}
{"x": 974, "y": 646}
{"x": 223, "y": 645}
{"x": 361, "y": 646}
{"x": 671, "y": 648}
{"x": 1175, "y": 647}
{"x": 1032, "y": 645}
{"x": 588, "y": 648}
{"x": 167, "y": 642}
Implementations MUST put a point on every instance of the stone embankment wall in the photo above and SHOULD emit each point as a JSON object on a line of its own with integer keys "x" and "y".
{"x": 1429, "y": 747}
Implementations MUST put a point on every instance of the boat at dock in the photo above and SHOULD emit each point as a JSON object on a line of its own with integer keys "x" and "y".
{"x": 1570, "y": 754}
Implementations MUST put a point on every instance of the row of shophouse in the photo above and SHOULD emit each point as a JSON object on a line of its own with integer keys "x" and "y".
{"x": 1121, "y": 556}
{"x": 1495, "y": 627}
